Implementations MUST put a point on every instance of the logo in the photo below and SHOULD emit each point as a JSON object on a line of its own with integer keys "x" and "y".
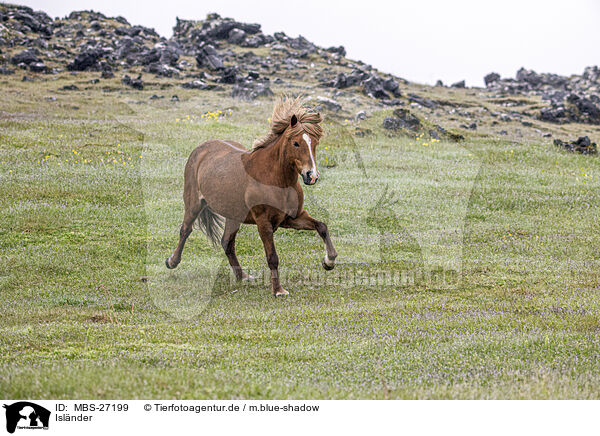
{"x": 26, "y": 415}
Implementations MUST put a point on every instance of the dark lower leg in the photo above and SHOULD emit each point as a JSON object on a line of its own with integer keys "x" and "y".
{"x": 175, "y": 258}
{"x": 228, "y": 244}
{"x": 191, "y": 213}
{"x": 266, "y": 235}
{"x": 305, "y": 222}
{"x": 323, "y": 232}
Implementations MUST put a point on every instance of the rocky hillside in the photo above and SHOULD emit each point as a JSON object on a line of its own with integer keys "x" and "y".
{"x": 206, "y": 54}
{"x": 224, "y": 55}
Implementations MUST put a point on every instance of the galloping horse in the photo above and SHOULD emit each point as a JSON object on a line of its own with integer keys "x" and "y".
{"x": 225, "y": 182}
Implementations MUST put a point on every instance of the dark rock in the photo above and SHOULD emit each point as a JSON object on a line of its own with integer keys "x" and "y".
{"x": 391, "y": 123}
{"x": 583, "y": 145}
{"x": 328, "y": 103}
{"x": 209, "y": 58}
{"x": 174, "y": 98}
{"x": 553, "y": 114}
{"x": 408, "y": 120}
{"x": 162, "y": 70}
{"x": 373, "y": 87}
{"x": 70, "y": 88}
{"x": 586, "y": 107}
{"x": 134, "y": 83}
{"x": 249, "y": 28}
{"x": 491, "y": 78}
{"x": 26, "y": 57}
{"x": 38, "y": 67}
{"x": 402, "y": 119}
{"x": 392, "y": 86}
{"x": 107, "y": 74}
{"x": 250, "y": 90}
{"x": 460, "y": 84}
{"x": 254, "y": 41}
{"x": 195, "y": 84}
{"x": 168, "y": 55}
{"x": 340, "y": 81}
{"x": 86, "y": 60}
{"x": 253, "y": 75}
{"x": 236, "y": 36}
{"x": 230, "y": 75}
{"x": 529, "y": 76}
{"x": 337, "y": 50}
{"x": 301, "y": 43}
{"x": 439, "y": 83}
{"x": 425, "y": 102}
{"x": 6, "y": 71}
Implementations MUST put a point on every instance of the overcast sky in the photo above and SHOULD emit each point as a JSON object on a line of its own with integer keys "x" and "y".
{"x": 420, "y": 40}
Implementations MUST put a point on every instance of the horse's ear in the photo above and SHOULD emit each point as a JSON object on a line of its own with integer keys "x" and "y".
{"x": 294, "y": 120}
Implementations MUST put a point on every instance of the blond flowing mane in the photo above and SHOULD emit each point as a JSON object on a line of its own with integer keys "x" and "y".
{"x": 308, "y": 121}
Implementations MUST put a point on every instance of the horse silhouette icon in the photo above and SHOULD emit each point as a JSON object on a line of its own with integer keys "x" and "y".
{"x": 26, "y": 414}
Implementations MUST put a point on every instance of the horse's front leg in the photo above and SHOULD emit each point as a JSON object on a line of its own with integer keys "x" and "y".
{"x": 305, "y": 222}
{"x": 265, "y": 230}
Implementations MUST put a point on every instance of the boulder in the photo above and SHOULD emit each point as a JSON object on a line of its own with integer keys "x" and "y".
{"x": 236, "y": 36}
{"x": 195, "y": 84}
{"x": 425, "y": 102}
{"x": 373, "y": 87}
{"x": 86, "y": 60}
{"x": 134, "y": 83}
{"x": 392, "y": 86}
{"x": 491, "y": 78}
{"x": 230, "y": 75}
{"x": 26, "y": 57}
{"x": 583, "y": 145}
{"x": 209, "y": 58}
{"x": 38, "y": 67}
{"x": 391, "y": 123}
{"x": 250, "y": 90}
{"x": 530, "y": 77}
{"x": 162, "y": 70}
{"x": 407, "y": 120}
{"x": 328, "y": 103}
{"x": 340, "y": 50}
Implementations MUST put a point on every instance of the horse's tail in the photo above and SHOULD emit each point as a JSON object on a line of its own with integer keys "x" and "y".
{"x": 210, "y": 223}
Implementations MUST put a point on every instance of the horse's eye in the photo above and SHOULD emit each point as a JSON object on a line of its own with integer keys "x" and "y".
{"x": 296, "y": 144}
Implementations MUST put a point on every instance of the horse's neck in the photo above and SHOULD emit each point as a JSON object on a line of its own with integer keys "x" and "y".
{"x": 272, "y": 157}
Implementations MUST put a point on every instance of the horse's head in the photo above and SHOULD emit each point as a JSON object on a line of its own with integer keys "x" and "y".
{"x": 300, "y": 152}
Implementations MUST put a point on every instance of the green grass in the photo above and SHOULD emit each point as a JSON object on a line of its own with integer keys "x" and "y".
{"x": 89, "y": 311}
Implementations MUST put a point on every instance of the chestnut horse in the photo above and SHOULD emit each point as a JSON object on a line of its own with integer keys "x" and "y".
{"x": 225, "y": 182}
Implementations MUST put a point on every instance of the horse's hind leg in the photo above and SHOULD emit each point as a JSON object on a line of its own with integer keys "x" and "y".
{"x": 228, "y": 244}
{"x": 191, "y": 213}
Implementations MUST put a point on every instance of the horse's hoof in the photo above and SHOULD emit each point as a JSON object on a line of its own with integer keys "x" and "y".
{"x": 248, "y": 278}
{"x": 281, "y": 293}
{"x": 326, "y": 266}
{"x": 167, "y": 263}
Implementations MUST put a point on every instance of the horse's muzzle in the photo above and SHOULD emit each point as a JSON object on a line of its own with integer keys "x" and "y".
{"x": 310, "y": 178}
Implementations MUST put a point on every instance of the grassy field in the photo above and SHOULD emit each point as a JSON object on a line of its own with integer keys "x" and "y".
{"x": 90, "y": 192}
